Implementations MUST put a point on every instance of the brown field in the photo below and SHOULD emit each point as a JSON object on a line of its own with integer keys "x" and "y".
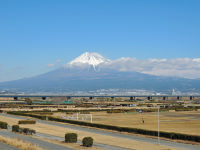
{"x": 19, "y": 143}
{"x": 180, "y": 122}
{"x": 59, "y": 131}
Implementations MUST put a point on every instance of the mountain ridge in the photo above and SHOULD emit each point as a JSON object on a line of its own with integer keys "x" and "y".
{"x": 87, "y": 73}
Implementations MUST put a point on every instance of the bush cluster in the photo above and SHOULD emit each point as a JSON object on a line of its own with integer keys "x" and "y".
{"x": 15, "y": 128}
{"x": 87, "y": 141}
{"x": 26, "y": 131}
{"x": 3, "y": 125}
{"x": 71, "y": 137}
{"x": 26, "y": 122}
{"x": 131, "y": 130}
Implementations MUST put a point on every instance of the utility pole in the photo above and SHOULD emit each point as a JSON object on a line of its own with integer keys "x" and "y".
{"x": 158, "y": 126}
{"x": 91, "y": 118}
{"x": 115, "y": 102}
{"x": 76, "y": 116}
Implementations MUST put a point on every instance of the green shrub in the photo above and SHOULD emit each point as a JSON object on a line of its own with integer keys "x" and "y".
{"x": 27, "y": 131}
{"x": 3, "y": 125}
{"x": 15, "y": 128}
{"x": 26, "y": 122}
{"x": 71, "y": 137}
{"x": 87, "y": 141}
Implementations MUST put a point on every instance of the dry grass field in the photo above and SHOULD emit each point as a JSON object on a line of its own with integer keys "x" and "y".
{"x": 19, "y": 143}
{"x": 59, "y": 131}
{"x": 187, "y": 122}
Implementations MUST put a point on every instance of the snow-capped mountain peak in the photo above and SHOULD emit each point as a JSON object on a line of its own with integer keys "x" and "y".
{"x": 91, "y": 58}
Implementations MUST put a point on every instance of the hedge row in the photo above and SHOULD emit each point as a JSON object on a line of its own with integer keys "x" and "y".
{"x": 81, "y": 111}
{"x": 44, "y": 113}
{"x": 169, "y": 135}
{"x": 116, "y": 111}
{"x": 130, "y": 110}
{"x": 26, "y": 131}
{"x": 185, "y": 109}
{"x": 16, "y": 128}
{"x": 3, "y": 125}
{"x": 22, "y": 113}
{"x": 26, "y": 122}
{"x": 194, "y": 107}
{"x": 180, "y": 108}
{"x": 177, "y": 108}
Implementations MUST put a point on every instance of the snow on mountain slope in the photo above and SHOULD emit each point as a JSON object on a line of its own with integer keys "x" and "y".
{"x": 81, "y": 75}
{"x": 90, "y": 58}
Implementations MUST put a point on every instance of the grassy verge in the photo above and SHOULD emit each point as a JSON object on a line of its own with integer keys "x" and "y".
{"x": 19, "y": 143}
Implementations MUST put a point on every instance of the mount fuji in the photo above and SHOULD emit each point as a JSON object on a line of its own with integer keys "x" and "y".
{"x": 91, "y": 71}
{"x": 93, "y": 59}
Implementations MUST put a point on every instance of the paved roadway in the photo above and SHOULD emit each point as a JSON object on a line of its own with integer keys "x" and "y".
{"x": 4, "y": 146}
{"x": 51, "y": 137}
{"x": 43, "y": 144}
{"x": 118, "y": 135}
{"x": 104, "y": 146}
{"x": 130, "y": 137}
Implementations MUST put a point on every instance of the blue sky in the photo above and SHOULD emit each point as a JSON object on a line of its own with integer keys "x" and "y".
{"x": 35, "y": 33}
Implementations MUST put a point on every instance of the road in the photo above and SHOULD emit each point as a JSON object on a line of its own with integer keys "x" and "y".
{"x": 51, "y": 137}
{"x": 43, "y": 144}
{"x": 114, "y": 134}
{"x": 4, "y": 146}
{"x": 103, "y": 146}
{"x": 130, "y": 137}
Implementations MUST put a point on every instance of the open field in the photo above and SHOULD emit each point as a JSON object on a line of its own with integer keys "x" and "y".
{"x": 187, "y": 122}
{"x": 123, "y": 113}
{"x": 19, "y": 143}
{"x": 60, "y": 131}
